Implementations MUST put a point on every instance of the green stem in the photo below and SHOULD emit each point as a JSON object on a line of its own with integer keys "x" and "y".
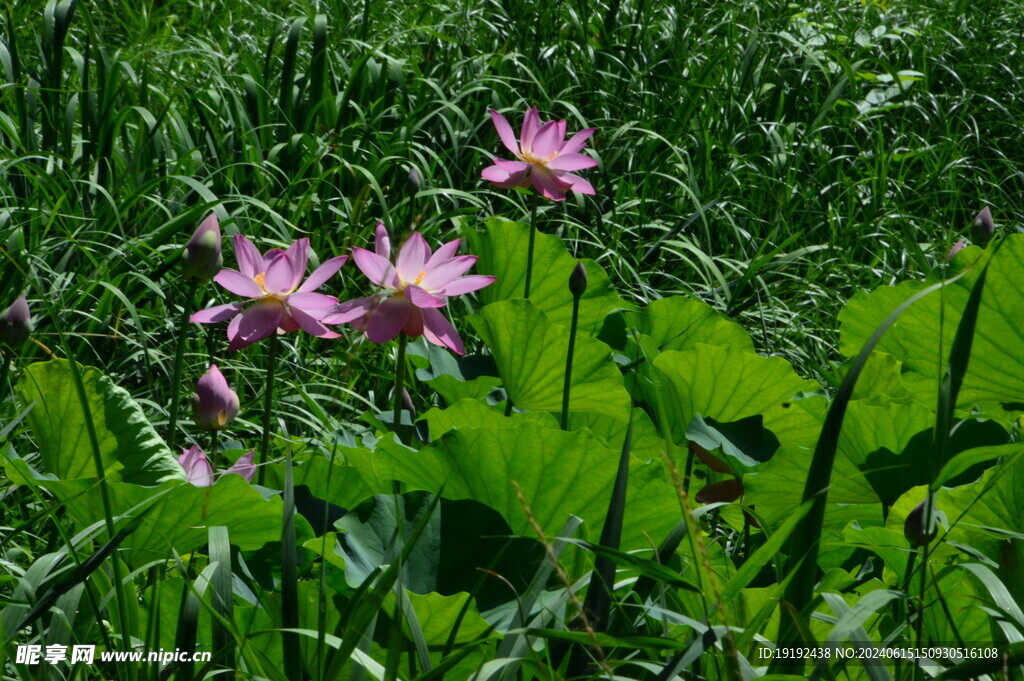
{"x": 214, "y": 435}
{"x": 289, "y": 576}
{"x": 400, "y": 386}
{"x": 529, "y": 248}
{"x": 5, "y": 367}
{"x": 268, "y": 404}
{"x": 179, "y": 357}
{"x": 567, "y": 386}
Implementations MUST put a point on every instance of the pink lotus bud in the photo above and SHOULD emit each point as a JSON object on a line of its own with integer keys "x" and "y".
{"x": 413, "y": 182}
{"x": 957, "y": 247}
{"x": 15, "y": 323}
{"x": 202, "y": 258}
{"x": 381, "y": 240}
{"x": 984, "y": 227}
{"x": 214, "y": 404}
{"x": 244, "y": 466}
{"x": 914, "y": 527}
{"x": 198, "y": 470}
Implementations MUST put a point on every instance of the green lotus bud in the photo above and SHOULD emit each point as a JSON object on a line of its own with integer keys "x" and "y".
{"x": 202, "y": 258}
{"x": 15, "y": 323}
{"x": 578, "y": 280}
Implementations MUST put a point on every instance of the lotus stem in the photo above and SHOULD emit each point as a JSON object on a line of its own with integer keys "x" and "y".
{"x": 214, "y": 436}
{"x": 289, "y": 576}
{"x": 529, "y": 248}
{"x": 5, "y": 367}
{"x": 400, "y": 386}
{"x": 268, "y": 404}
{"x": 179, "y": 357}
{"x": 577, "y": 286}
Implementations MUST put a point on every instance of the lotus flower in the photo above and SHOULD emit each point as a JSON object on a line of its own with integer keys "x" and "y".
{"x": 214, "y": 403}
{"x": 202, "y": 258}
{"x": 244, "y": 466}
{"x": 545, "y": 159}
{"x": 15, "y": 323}
{"x": 198, "y": 470}
{"x": 283, "y": 302}
{"x": 957, "y": 247}
{"x": 414, "y": 288}
{"x": 984, "y": 227}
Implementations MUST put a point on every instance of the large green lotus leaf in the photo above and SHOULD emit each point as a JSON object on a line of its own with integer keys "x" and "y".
{"x": 455, "y": 378}
{"x": 960, "y": 589}
{"x": 180, "y": 516}
{"x": 995, "y": 375}
{"x": 775, "y": 491}
{"x": 502, "y": 249}
{"x": 129, "y": 447}
{"x": 645, "y": 443}
{"x": 437, "y": 615}
{"x": 983, "y": 513}
{"x": 560, "y": 473}
{"x": 679, "y": 323}
{"x": 995, "y": 501}
{"x": 334, "y": 482}
{"x": 476, "y": 414}
{"x": 892, "y": 445}
{"x": 883, "y": 442}
{"x": 530, "y": 352}
{"x": 730, "y": 383}
{"x": 460, "y": 539}
{"x": 880, "y": 380}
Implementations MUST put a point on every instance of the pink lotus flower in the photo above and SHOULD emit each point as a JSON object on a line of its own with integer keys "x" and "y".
{"x": 545, "y": 159}
{"x": 957, "y": 247}
{"x": 415, "y": 287}
{"x": 272, "y": 282}
{"x": 198, "y": 470}
{"x": 214, "y": 403}
{"x": 244, "y": 466}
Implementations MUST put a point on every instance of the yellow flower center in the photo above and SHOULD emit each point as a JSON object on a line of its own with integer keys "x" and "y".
{"x": 536, "y": 160}
{"x": 419, "y": 279}
{"x": 267, "y": 295}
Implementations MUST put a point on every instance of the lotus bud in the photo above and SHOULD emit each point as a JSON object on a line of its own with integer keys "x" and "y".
{"x": 984, "y": 227}
{"x": 244, "y": 466}
{"x": 578, "y": 280}
{"x": 214, "y": 404}
{"x": 381, "y": 240}
{"x": 957, "y": 247}
{"x": 15, "y": 323}
{"x": 407, "y": 404}
{"x": 413, "y": 182}
{"x": 198, "y": 470}
{"x": 202, "y": 258}
{"x": 914, "y": 527}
